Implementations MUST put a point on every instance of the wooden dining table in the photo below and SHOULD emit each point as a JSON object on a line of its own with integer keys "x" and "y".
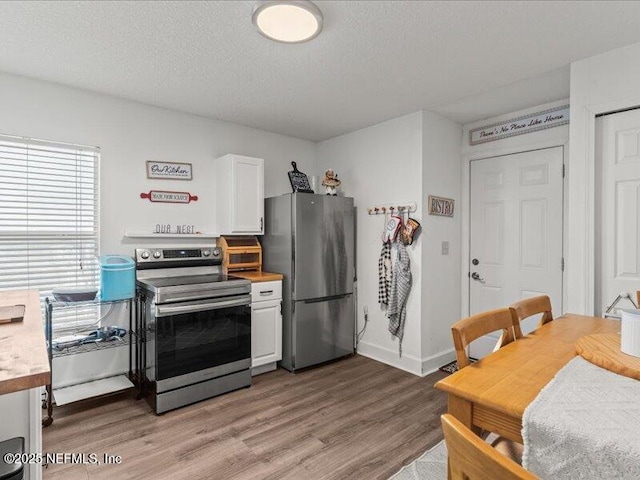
{"x": 493, "y": 393}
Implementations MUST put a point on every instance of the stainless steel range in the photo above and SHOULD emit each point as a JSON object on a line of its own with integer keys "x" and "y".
{"x": 196, "y": 323}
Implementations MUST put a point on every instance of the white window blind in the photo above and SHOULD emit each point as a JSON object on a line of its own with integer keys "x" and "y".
{"x": 49, "y": 235}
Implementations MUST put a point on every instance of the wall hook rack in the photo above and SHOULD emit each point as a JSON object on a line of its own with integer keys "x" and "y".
{"x": 408, "y": 207}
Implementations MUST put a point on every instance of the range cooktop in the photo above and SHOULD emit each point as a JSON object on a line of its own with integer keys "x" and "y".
{"x": 163, "y": 282}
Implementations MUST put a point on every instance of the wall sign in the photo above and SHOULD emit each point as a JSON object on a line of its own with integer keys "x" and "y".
{"x": 178, "y": 230}
{"x": 442, "y": 207}
{"x": 299, "y": 181}
{"x": 527, "y": 124}
{"x": 169, "y": 170}
{"x": 169, "y": 197}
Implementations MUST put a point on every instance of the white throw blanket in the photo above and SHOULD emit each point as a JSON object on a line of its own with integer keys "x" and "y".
{"x": 585, "y": 424}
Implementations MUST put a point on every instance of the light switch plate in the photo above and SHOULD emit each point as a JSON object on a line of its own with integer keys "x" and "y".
{"x": 445, "y": 248}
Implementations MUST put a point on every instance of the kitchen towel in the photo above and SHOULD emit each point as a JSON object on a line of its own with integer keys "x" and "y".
{"x": 384, "y": 274}
{"x": 399, "y": 292}
{"x": 584, "y": 424}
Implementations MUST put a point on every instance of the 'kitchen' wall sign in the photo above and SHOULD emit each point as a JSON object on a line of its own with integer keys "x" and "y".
{"x": 526, "y": 124}
{"x": 169, "y": 197}
{"x": 169, "y": 170}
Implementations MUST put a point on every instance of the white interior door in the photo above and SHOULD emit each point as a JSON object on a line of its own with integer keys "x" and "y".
{"x": 617, "y": 241}
{"x": 515, "y": 233}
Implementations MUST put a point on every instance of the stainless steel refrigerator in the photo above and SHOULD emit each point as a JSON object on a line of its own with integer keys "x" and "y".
{"x": 311, "y": 240}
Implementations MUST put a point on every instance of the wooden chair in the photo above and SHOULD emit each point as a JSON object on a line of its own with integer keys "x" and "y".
{"x": 471, "y": 458}
{"x": 531, "y": 306}
{"x": 469, "y": 329}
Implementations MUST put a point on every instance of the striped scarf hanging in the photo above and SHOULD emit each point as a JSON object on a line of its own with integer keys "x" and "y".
{"x": 384, "y": 274}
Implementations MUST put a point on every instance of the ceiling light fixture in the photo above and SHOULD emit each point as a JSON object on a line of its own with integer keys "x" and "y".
{"x": 294, "y": 21}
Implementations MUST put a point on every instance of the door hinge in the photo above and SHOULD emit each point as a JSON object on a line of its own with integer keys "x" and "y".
{"x": 563, "y": 170}
{"x": 562, "y": 264}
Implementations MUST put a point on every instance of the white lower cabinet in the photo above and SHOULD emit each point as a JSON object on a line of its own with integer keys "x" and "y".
{"x": 266, "y": 326}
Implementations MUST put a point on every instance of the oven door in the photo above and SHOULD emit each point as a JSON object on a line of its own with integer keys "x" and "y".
{"x": 199, "y": 340}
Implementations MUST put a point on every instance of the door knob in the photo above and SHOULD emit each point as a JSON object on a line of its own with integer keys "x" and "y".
{"x": 477, "y": 277}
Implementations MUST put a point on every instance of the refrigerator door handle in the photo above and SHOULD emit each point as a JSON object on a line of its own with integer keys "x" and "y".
{"x": 327, "y": 299}
{"x": 293, "y": 249}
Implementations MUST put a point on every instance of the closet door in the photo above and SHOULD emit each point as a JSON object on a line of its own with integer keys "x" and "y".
{"x": 617, "y": 239}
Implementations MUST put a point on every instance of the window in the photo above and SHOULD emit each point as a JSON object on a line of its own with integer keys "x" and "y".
{"x": 49, "y": 234}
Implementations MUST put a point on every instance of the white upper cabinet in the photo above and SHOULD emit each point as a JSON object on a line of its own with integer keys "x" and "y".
{"x": 239, "y": 194}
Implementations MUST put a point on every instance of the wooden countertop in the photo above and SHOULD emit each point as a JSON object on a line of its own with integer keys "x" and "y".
{"x": 24, "y": 362}
{"x": 258, "y": 276}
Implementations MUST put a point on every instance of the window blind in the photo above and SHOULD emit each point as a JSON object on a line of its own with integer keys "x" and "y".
{"x": 49, "y": 228}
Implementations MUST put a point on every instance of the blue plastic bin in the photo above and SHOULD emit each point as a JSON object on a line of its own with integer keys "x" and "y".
{"x": 117, "y": 277}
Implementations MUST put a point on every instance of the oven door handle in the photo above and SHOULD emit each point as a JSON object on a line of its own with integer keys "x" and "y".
{"x": 166, "y": 310}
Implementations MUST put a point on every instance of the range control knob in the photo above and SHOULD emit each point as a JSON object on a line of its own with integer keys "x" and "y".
{"x": 144, "y": 255}
{"x": 157, "y": 254}
{"x": 206, "y": 253}
{"x": 216, "y": 252}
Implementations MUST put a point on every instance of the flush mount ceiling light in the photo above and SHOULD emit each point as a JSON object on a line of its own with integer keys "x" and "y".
{"x": 293, "y": 21}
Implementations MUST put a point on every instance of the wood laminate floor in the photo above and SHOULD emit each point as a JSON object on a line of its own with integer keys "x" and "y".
{"x": 352, "y": 419}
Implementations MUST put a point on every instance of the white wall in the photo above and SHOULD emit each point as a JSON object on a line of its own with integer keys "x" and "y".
{"x": 378, "y": 165}
{"x": 404, "y": 160}
{"x": 441, "y": 174}
{"x": 599, "y": 84}
{"x": 128, "y": 134}
{"x": 557, "y": 136}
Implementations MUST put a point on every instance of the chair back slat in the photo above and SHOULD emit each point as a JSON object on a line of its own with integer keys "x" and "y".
{"x": 471, "y": 458}
{"x": 529, "y": 307}
{"x": 469, "y": 329}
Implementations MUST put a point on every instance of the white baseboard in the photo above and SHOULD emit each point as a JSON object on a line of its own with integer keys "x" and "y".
{"x": 432, "y": 363}
{"x": 269, "y": 367}
{"x": 408, "y": 363}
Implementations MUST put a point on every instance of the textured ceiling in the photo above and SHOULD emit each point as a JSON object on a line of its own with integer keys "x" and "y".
{"x": 374, "y": 60}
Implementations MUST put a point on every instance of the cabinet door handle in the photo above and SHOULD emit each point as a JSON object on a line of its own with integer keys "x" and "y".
{"x": 261, "y": 224}
{"x": 266, "y": 292}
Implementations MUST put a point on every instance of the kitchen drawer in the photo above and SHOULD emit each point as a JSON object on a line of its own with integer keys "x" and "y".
{"x": 262, "y": 291}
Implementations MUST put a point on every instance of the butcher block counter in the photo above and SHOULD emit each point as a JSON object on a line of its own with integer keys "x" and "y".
{"x": 24, "y": 369}
{"x": 255, "y": 276}
{"x": 24, "y": 362}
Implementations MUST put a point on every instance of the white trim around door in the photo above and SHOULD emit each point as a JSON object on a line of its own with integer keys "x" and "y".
{"x": 551, "y": 138}
{"x": 581, "y": 257}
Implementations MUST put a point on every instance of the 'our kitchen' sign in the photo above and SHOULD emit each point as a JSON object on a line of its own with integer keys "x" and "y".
{"x": 526, "y": 124}
{"x": 169, "y": 170}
